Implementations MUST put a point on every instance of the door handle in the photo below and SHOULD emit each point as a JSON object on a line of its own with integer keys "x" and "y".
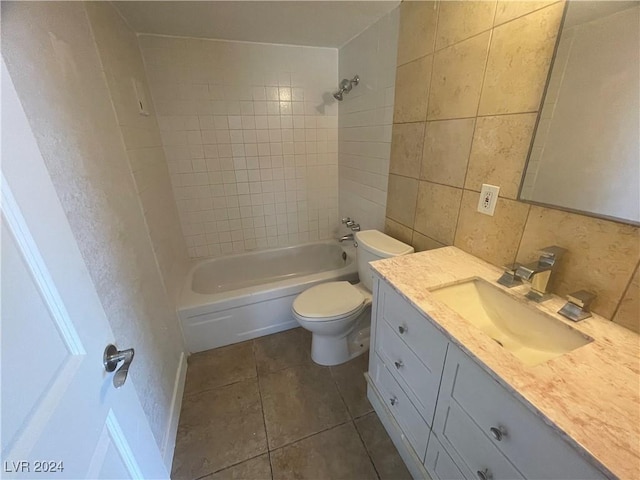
{"x": 113, "y": 356}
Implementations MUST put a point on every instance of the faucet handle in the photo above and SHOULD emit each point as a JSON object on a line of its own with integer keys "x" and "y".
{"x": 577, "y": 308}
{"x": 346, "y": 220}
{"x": 509, "y": 278}
{"x": 551, "y": 253}
{"x": 582, "y": 298}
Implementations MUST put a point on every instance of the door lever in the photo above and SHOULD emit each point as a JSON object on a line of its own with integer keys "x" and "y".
{"x": 113, "y": 356}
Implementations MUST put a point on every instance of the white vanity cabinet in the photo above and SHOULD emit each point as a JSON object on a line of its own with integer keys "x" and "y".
{"x": 447, "y": 416}
{"x": 490, "y": 434}
{"x": 405, "y": 369}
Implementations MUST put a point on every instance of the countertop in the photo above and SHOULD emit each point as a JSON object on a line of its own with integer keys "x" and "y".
{"x": 591, "y": 395}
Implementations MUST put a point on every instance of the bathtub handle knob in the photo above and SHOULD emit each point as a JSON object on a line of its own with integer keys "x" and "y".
{"x": 402, "y": 329}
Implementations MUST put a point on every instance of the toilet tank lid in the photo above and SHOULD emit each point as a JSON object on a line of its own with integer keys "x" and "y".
{"x": 380, "y": 244}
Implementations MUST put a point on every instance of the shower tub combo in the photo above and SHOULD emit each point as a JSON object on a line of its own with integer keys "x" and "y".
{"x": 232, "y": 299}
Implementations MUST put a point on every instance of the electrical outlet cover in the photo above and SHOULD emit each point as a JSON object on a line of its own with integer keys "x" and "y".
{"x": 488, "y": 199}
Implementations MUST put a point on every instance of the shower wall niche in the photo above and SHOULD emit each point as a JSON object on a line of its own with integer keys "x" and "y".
{"x": 250, "y": 134}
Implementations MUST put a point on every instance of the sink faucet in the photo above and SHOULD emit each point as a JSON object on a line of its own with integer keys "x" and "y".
{"x": 346, "y": 237}
{"x": 539, "y": 273}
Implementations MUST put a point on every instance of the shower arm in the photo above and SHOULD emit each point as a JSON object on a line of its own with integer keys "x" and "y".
{"x": 345, "y": 87}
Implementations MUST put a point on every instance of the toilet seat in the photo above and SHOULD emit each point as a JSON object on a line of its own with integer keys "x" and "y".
{"x": 329, "y": 301}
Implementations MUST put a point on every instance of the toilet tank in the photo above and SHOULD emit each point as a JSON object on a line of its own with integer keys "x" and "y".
{"x": 374, "y": 245}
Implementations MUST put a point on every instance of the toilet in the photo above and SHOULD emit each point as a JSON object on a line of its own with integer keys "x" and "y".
{"x": 338, "y": 314}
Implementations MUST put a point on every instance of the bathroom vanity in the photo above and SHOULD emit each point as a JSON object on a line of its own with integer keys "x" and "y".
{"x": 459, "y": 402}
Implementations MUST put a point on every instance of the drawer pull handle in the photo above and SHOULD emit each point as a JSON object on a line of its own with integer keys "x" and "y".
{"x": 403, "y": 329}
{"x": 498, "y": 433}
{"x": 484, "y": 474}
{"x": 398, "y": 364}
{"x": 393, "y": 400}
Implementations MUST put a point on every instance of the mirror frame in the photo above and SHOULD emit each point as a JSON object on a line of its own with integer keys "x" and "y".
{"x": 535, "y": 131}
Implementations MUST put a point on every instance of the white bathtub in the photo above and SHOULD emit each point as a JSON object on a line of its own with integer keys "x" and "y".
{"x": 236, "y": 298}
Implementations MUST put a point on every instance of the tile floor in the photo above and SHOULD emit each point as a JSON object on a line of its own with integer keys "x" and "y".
{"x": 263, "y": 410}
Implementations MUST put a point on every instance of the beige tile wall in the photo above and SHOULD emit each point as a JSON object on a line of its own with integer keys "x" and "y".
{"x": 469, "y": 82}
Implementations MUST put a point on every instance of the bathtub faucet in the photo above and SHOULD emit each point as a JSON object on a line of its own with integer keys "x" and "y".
{"x": 346, "y": 237}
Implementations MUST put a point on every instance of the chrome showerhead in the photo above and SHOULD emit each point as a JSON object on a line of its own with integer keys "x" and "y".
{"x": 345, "y": 87}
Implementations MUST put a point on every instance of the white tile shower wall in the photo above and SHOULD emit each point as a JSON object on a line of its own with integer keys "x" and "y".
{"x": 365, "y": 122}
{"x": 250, "y": 136}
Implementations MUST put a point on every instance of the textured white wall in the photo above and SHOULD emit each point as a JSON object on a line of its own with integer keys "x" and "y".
{"x": 52, "y": 58}
{"x": 365, "y": 122}
{"x": 122, "y": 63}
{"x": 250, "y": 136}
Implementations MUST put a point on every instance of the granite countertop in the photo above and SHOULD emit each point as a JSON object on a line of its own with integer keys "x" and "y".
{"x": 590, "y": 395}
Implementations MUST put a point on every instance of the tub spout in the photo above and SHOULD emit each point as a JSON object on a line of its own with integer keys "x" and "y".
{"x": 346, "y": 237}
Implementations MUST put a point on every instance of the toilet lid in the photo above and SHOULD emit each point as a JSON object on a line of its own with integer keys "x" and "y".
{"x": 333, "y": 299}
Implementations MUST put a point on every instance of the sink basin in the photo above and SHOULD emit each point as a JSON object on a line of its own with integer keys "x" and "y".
{"x": 532, "y": 336}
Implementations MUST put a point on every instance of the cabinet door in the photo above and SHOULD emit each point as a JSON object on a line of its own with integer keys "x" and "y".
{"x": 438, "y": 462}
{"x": 483, "y": 424}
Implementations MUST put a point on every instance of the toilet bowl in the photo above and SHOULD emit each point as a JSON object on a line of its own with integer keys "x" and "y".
{"x": 338, "y": 314}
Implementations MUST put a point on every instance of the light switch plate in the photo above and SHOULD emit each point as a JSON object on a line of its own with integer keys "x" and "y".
{"x": 488, "y": 199}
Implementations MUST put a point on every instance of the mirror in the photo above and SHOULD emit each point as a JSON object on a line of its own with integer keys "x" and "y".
{"x": 585, "y": 153}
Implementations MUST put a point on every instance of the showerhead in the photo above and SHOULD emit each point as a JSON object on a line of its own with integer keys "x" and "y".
{"x": 345, "y": 87}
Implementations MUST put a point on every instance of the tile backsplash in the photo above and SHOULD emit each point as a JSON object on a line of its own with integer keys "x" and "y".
{"x": 469, "y": 82}
{"x": 250, "y": 133}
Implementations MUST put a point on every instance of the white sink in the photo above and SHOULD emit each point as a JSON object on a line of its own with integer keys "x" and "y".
{"x": 526, "y": 332}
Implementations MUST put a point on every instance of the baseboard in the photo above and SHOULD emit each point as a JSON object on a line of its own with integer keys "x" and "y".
{"x": 169, "y": 443}
{"x": 408, "y": 455}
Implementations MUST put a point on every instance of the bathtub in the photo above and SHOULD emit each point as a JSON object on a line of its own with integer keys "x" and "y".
{"x": 231, "y": 299}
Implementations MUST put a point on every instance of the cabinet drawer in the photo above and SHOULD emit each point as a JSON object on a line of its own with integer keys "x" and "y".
{"x": 412, "y": 424}
{"x": 420, "y": 381}
{"x": 413, "y": 328}
{"x": 478, "y": 404}
{"x": 438, "y": 462}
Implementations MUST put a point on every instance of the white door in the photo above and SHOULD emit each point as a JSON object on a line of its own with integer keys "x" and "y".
{"x": 61, "y": 415}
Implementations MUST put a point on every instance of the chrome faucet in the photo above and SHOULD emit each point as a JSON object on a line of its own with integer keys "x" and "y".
{"x": 351, "y": 224}
{"x": 539, "y": 274}
{"x": 346, "y": 237}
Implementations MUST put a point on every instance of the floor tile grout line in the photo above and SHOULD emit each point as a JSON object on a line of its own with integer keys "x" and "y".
{"x": 344, "y": 402}
{"x": 206, "y": 390}
{"x": 230, "y": 466}
{"x": 264, "y": 420}
{"x": 266, "y": 374}
{"x": 364, "y": 414}
{"x": 364, "y": 444}
{"x": 311, "y": 435}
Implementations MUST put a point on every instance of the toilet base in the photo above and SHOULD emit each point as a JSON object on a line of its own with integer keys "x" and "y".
{"x": 331, "y": 350}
